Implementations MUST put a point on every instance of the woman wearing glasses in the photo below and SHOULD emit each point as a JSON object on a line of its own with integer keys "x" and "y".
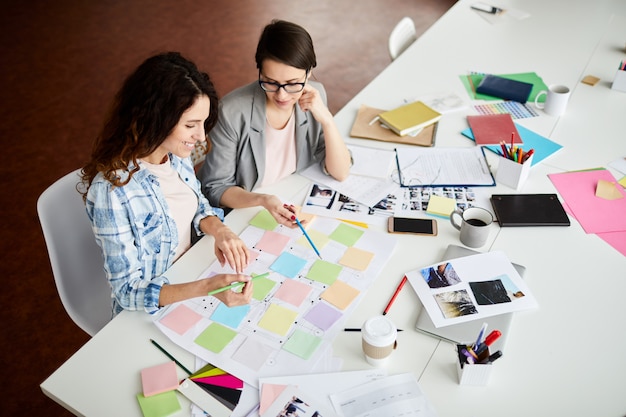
{"x": 273, "y": 127}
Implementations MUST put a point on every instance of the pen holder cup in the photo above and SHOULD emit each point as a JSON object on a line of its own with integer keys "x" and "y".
{"x": 513, "y": 174}
{"x": 619, "y": 82}
{"x": 472, "y": 374}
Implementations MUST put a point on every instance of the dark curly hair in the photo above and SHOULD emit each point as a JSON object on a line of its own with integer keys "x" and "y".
{"x": 144, "y": 112}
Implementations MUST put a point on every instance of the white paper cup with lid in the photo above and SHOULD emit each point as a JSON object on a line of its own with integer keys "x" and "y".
{"x": 379, "y": 339}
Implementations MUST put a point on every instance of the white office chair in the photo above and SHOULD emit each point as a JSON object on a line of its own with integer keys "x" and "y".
{"x": 401, "y": 37}
{"x": 75, "y": 257}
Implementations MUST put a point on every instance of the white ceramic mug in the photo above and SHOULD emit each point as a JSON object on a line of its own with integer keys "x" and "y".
{"x": 475, "y": 225}
{"x": 379, "y": 339}
{"x": 557, "y": 97}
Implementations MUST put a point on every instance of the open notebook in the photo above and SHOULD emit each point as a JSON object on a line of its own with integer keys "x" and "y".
{"x": 467, "y": 332}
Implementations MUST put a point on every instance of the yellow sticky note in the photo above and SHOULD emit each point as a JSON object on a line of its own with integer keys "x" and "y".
{"x": 622, "y": 182}
{"x": 277, "y": 319}
{"x": 608, "y": 190}
{"x": 441, "y": 206}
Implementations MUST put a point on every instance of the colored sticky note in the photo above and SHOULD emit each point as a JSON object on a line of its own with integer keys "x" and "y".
{"x": 323, "y": 316}
{"x": 441, "y": 206}
{"x": 302, "y": 344}
{"x": 159, "y": 378}
{"x": 215, "y": 337}
{"x": 356, "y": 258}
{"x": 324, "y": 272}
{"x": 319, "y": 239}
{"x": 272, "y": 242}
{"x": 294, "y": 292}
{"x": 608, "y": 190}
{"x": 340, "y": 294}
{"x": 160, "y": 405}
{"x": 346, "y": 234}
{"x": 278, "y": 319}
{"x": 181, "y": 319}
{"x": 264, "y": 220}
{"x": 288, "y": 264}
{"x": 230, "y": 316}
{"x": 253, "y": 354}
{"x": 262, "y": 286}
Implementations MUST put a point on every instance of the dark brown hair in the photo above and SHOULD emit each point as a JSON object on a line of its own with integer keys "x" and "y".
{"x": 144, "y": 112}
{"x": 287, "y": 43}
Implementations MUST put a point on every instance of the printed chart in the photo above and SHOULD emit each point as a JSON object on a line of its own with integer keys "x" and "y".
{"x": 295, "y": 312}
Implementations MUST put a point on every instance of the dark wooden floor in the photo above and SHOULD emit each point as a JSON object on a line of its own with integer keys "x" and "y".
{"x": 60, "y": 64}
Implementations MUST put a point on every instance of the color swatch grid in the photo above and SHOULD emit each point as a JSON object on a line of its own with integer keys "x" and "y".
{"x": 295, "y": 311}
{"x": 515, "y": 109}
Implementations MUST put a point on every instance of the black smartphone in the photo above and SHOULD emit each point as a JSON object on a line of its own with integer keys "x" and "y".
{"x": 416, "y": 226}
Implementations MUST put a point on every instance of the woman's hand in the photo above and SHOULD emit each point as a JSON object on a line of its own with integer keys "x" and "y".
{"x": 310, "y": 100}
{"x": 229, "y": 248}
{"x": 231, "y": 297}
{"x": 282, "y": 213}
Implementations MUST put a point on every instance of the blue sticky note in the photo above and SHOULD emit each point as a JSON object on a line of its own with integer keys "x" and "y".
{"x": 230, "y": 316}
{"x": 288, "y": 265}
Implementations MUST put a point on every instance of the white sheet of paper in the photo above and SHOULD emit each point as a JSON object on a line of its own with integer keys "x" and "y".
{"x": 392, "y": 396}
{"x": 372, "y": 162}
{"x": 454, "y": 290}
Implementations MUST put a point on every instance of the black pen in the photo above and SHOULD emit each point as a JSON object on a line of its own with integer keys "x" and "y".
{"x": 353, "y": 329}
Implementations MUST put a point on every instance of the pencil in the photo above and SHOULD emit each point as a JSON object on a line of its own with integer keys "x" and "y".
{"x": 307, "y": 237}
{"x": 395, "y": 294}
{"x": 354, "y": 329}
{"x": 171, "y": 357}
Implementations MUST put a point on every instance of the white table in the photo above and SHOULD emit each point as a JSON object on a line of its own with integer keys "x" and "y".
{"x": 564, "y": 358}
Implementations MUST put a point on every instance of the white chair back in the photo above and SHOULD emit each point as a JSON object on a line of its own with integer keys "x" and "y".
{"x": 402, "y": 36}
{"x": 75, "y": 257}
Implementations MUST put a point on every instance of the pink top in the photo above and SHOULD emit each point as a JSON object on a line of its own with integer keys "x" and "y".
{"x": 280, "y": 152}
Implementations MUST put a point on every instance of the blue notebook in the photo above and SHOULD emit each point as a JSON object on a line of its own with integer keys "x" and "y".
{"x": 504, "y": 88}
{"x": 543, "y": 146}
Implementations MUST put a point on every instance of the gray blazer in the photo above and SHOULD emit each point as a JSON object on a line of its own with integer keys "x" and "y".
{"x": 237, "y": 155}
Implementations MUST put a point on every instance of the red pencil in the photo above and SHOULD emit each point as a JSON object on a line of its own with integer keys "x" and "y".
{"x": 395, "y": 294}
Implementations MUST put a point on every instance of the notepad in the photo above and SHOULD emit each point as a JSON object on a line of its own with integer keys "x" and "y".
{"x": 491, "y": 129}
{"x": 409, "y": 118}
{"x": 529, "y": 210}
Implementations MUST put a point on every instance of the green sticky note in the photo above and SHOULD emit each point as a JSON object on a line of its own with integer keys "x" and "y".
{"x": 264, "y": 220}
{"x": 302, "y": 344}
{"x": 324, "y": 272}
{"x": 319, "y": 239}
{"x": 160, "y": 405}
{"x": 215, "y": 337}
{"x": 346, "y": 234}
{"x": 262, "y": 287}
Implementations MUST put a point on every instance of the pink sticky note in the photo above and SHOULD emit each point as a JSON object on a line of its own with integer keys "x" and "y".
{"x": 293, "y": 292}
{"x": 181, "y": 319}
{"x": 272, "y": 242}
{"x": 159, "y": 378}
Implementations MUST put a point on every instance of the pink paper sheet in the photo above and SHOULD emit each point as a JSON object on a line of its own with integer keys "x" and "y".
{"x": 595, "y": 214}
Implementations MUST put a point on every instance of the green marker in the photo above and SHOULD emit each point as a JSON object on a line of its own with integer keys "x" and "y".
{"x": 237, "y": 284}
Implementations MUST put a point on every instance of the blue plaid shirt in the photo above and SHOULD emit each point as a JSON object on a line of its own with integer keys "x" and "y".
{"x": 133, "y": 227}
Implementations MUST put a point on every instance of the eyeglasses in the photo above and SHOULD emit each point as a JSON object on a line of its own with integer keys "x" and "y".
{"x": 272, "y": 87}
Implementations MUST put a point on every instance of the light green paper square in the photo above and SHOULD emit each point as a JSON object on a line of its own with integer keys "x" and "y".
{"x": 324, "y": 272}
{"x": 215, "y": 337}
{"x": 159, "y": 405}
{"x": 264, "y": 220}
{"x": 346, "y": 234}
{"x": 262, "y": 287}
{"x": 302, "y": 344}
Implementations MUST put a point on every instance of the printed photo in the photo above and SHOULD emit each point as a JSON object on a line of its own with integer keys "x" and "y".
{"x": 455, "y": 303}
{"x": 497, "y": 291}
{"x": 443, "y": 275}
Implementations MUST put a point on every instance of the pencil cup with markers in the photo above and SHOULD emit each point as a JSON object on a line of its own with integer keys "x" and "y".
{"x": 474, "y": 369}
{"x": 619, "y": 82}
{"x": 513, "y": 171}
